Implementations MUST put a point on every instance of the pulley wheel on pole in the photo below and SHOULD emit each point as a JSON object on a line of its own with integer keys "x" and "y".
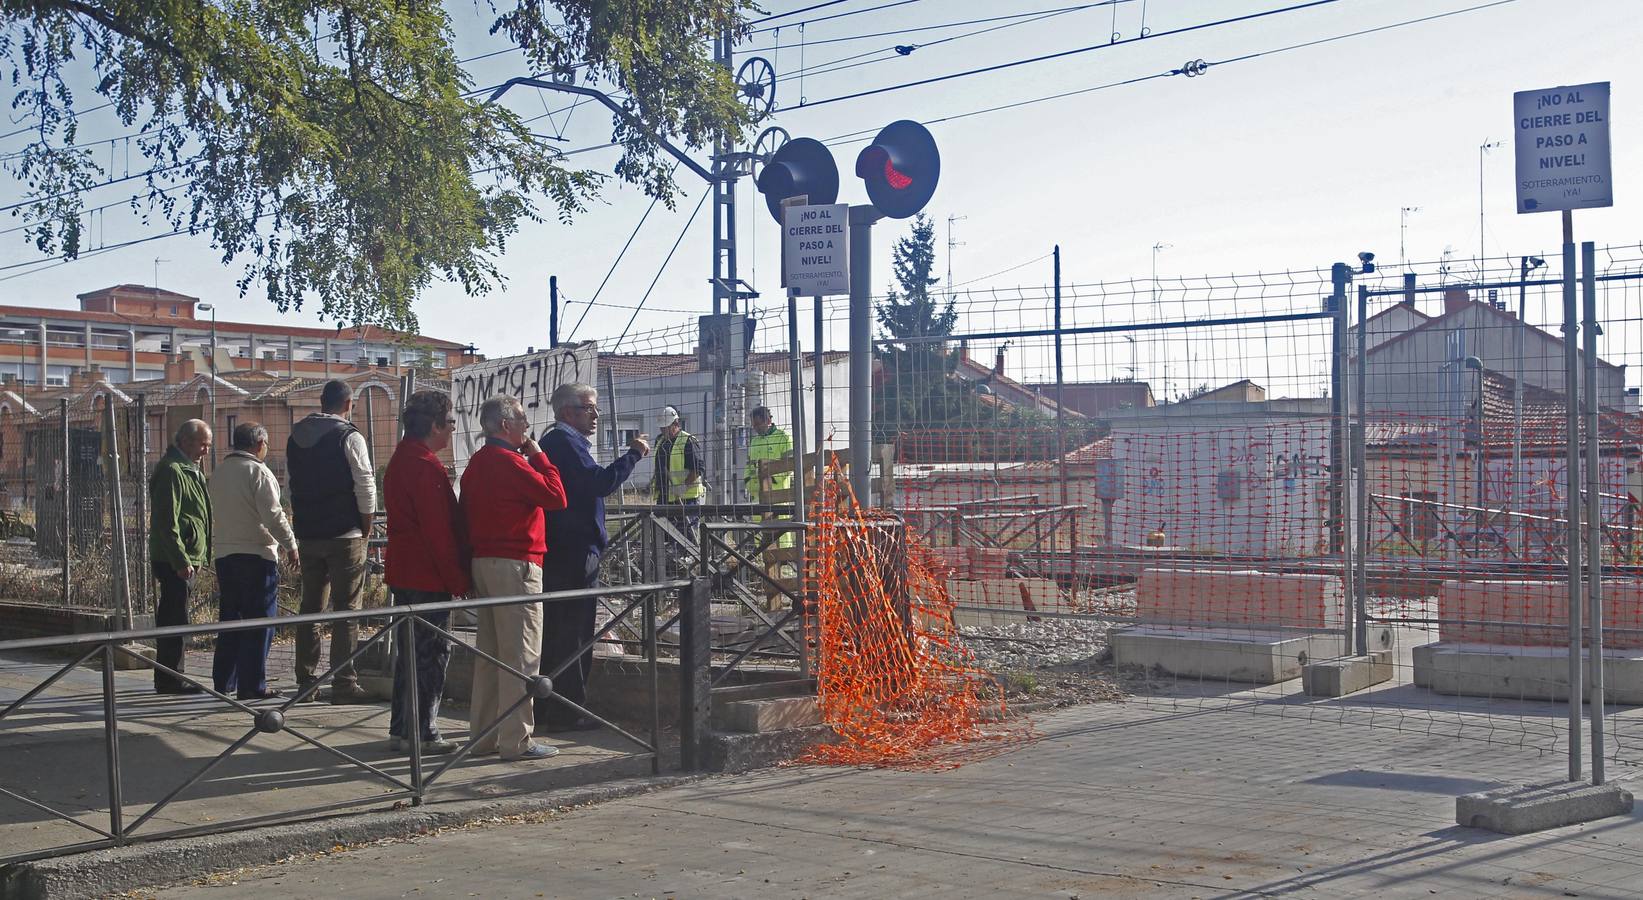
{"x": 756, "y": 85}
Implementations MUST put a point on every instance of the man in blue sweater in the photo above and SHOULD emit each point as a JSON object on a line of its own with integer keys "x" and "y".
{"x": 576, "y": 540}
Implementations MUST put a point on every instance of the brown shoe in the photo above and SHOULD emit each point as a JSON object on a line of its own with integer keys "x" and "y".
{"x": 344, "y": 694}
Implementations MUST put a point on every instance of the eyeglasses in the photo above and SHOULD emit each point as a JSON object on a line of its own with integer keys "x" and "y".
{"x": 589, "y": 408}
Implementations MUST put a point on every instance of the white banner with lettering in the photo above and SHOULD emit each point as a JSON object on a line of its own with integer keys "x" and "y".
{"x": 531, "y": 377}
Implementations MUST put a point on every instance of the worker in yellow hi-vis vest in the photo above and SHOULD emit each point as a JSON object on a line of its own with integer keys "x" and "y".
{"x": 680, "y": 467}
{"x": 769, "y": 443}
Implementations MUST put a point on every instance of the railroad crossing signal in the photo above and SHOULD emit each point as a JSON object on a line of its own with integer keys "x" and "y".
{"x": 801, "y": 167}
{"x": 901, "y": 169}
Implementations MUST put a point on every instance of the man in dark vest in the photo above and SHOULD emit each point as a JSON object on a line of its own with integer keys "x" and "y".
{"x": 333, "y": 497}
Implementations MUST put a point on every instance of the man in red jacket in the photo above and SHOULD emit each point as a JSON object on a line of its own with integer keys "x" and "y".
{"x": 426, "y": 562}
{"x": 507, "y": 485}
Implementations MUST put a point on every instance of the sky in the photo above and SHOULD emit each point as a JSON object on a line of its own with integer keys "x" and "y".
{"x": 1284, "y": 161}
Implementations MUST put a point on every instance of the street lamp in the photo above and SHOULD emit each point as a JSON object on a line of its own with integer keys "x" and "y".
{"x": 1135, "y": 373}
{"x": 212, "y": 386}
{"x": 1483, "y": 148}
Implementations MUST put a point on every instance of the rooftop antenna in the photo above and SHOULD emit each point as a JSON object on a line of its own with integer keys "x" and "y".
{"x": 1403, "y": 232}
{"x": 950, "y": 245}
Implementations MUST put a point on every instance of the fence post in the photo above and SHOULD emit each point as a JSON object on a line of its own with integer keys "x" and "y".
{"x": 1340, "y": 456}
{"x": 1360, "y": 454}
{"x": 1594, "y": 507}
{"x": 120, "y": 580}
{"x": 695, "y": 674}
{"x": 142, "y": 490}
{"x": 1571, "y": 431}
{"x": 68, "y": 526}
{"x": 111, "y": 743}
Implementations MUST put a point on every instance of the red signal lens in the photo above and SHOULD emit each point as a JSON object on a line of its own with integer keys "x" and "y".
{"x": 897, "y": 180}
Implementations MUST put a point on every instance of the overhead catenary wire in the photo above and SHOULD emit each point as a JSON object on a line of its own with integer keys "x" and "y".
{"x": 594, "y": 301}
{"x": 919, "y": 28}
{"x": 857, "y": 136}
{"x": 1063, "y": 54}
{"x": 663, "y": 267}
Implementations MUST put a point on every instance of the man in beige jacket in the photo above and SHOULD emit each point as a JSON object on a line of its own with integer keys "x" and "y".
{"x": 248, "y": 531}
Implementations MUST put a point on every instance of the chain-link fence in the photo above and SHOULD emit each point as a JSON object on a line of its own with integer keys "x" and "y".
{"x": 1214, "y": 482}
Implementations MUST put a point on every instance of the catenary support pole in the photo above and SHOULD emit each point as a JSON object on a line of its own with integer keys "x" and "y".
{"x": 861, "y": 350}
{"x": 795, "y": 386}
{"x": 1594, "y": 509}
{"x": 1571, "y": 395}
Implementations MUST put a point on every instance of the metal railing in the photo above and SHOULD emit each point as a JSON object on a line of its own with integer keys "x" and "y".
{"x": 109, "y": 648}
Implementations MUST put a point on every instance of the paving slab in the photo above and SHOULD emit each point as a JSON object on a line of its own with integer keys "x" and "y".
{"x": 1112, "y": 800}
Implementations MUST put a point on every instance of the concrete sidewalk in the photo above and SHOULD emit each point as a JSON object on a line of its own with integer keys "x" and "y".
{"x": 1113, "y": 800}
{"x": 53, "y": 750}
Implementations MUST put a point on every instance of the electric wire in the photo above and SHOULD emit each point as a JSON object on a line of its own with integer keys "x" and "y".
{"x": 842, "y": 15}
{"x": 663, "y": 267}
{"x": 856, "y": 136}
{"x": 1065, "y": 53}
{"x": 594, "y": 301}
{"x": 918, "y": 28}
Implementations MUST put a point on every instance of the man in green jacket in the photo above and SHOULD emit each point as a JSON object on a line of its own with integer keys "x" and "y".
{"x": 179, "y": 541}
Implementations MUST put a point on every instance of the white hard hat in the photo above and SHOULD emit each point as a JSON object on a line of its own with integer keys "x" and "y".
{"x": 667, "y": 417}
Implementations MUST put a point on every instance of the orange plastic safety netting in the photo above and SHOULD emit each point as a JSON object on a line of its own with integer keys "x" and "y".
{"x": 893, "y": 679}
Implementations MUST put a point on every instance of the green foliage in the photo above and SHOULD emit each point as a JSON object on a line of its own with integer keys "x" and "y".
{"x": 332, "y": 146}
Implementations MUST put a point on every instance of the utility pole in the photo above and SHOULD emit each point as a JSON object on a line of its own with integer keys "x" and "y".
{"x": 553, "y": 311}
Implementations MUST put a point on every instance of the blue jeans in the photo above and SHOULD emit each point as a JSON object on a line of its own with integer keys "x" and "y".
{"x": 248, "y": 585}
{"x": 433, "y": 655}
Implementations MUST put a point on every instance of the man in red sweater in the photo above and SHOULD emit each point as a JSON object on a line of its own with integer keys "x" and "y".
{"x": 426, "y": 562}
{"x": 507, "y": 485}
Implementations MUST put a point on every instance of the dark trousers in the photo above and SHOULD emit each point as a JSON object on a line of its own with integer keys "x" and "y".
{"x": 249, "y": 585}
{"x": 171, "y": 609}
{"x": 566, "y": 626}
{"x": 332, "y": 569}
{"x": 433, "y": 656}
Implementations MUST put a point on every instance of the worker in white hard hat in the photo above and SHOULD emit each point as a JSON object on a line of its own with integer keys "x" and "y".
{"x": 680, "y": 463}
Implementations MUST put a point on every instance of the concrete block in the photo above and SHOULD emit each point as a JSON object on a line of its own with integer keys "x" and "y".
{"x": 1222, "y": 654}
{"x": 1530, "y": 673}
{"x": 766, "y": 715}
{"x": 1346, "y": 675}
{"x": 1422, "y": 654}
{"x": 1242, "y": 598}
{"x": 1542, "y": 607}
{"x": 1527, "y": 808}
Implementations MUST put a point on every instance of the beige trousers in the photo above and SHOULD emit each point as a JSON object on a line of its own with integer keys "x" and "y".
{"x": 512, "y": 634}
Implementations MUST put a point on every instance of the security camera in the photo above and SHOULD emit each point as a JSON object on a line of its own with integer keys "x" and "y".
{"x": 1368, "y": 260}
{"x": 1536, "y": 262}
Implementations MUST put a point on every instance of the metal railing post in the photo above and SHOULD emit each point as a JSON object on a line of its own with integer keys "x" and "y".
{"x": 695, "y": 674}
{"x": 411, "y": 717}
{"x": 651, "y": 650}
{"x": 111, "y": 740}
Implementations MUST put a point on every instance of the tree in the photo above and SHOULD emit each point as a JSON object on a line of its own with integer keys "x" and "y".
{"x": 916, "y": 390}
{"x": 338, "y": 148}
{"x": 912, "y": 312}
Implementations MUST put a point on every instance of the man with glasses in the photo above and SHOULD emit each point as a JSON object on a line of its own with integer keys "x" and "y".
{"x": 576, "y": 540}
{"x": 507, "y": 486}
{"x": 425, "y": 563}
